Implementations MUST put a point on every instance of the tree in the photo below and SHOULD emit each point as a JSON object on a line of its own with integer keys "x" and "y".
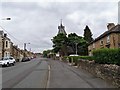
{"x": 60, "y": 44}
{"x": 88, "y": 34}
{"x": 88, "y": 38}
{"x": 74, "y": 39}
{"x": 46, "y": 52}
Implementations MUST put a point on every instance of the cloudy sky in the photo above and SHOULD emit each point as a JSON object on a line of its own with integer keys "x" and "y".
{"x": 37, "y": 22}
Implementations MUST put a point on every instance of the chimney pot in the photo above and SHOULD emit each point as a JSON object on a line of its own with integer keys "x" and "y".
{"x": 110, "y": 26}
{"x": 5, "y": 35}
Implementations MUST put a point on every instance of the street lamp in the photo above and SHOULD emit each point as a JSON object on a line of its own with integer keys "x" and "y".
{"x": 8, "y": 18}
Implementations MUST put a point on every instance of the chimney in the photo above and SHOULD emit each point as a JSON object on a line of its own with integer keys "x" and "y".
{"x": 1, "y": 33}
{"x": 5, "y": 35}
{"x": 110, "y": 26}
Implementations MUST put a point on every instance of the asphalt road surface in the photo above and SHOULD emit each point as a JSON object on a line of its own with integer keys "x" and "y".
{"x": 46, "y": 73}
{"x": 31, "y": 74}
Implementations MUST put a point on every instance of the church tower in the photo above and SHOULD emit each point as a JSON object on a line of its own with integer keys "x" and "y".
{"x": 61, "y": 29}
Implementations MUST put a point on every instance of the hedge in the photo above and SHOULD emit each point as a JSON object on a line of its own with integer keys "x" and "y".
{"x": 107, "y": 56}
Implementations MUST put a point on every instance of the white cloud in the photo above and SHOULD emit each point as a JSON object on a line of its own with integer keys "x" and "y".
{"x": 60, "y": 0}
{"x": 37, "y": 22}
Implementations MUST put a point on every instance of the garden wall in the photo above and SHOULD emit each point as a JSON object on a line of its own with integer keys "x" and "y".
{"x": 110, "y": 73}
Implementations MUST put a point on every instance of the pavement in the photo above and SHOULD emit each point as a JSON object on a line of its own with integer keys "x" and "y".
{"x": 47, "y": 73}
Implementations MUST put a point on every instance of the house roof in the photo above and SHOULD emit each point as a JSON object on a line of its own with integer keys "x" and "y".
{"x": 115, "y": 29}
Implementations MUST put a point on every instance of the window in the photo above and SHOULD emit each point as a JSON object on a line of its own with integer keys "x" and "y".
{"x": 101, "y": 42}
{"x": 11, "y": 58}
{"x": 108, "y": 39}
{"x": 6, "y": 54}
{"x": 6, "y": 44}
{"x": 118, "y": 45}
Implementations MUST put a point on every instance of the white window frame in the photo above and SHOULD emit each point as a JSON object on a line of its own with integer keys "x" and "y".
{"x": 101, "y": 42}
{"x": 108, "y": 39}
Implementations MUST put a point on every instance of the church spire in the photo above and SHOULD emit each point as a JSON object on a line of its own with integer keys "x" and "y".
{"x": 61, "y": 21}
{"x": 61, "y": 28}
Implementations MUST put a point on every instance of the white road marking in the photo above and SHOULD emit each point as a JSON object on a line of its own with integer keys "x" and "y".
{"x": 48, "y": 79}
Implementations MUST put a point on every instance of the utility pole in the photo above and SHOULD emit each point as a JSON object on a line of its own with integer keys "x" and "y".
{"x": 76, "y": 47}
{"x": 3, "y": 44}
{"x": 24, "y": 49}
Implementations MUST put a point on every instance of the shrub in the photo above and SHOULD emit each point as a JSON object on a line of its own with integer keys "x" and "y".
{"x": 107, "y": 56}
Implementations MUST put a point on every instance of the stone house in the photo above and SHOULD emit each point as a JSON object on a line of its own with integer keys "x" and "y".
{"x": 21, "y": 55}
{"x": 109, "y": 39}
{"x": 6, "y": 46}
{"x": 1, "y": 44}
{"x": 16, "y": 53}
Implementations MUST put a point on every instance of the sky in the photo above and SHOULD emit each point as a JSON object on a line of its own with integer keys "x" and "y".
{"x": 36, "y": 22}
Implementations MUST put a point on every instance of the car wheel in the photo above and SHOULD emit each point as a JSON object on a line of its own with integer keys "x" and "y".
{"x": 7, "y": 64}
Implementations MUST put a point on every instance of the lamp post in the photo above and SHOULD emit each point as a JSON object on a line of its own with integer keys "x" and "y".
{"x": 76, "y": 45}
{"x": 8, "y": 18}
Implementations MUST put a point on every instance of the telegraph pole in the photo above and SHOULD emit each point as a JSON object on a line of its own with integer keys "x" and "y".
{"x": 76, "y": 47}
{"x": 3, "y": 44}
{"x": 24, "y": 48}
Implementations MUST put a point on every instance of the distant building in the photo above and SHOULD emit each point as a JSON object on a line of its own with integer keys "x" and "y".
{"x": 109, "y": 39}
{"x": 61, "y": 29}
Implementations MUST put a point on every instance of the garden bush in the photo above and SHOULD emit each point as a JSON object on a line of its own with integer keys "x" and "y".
{"x": 107, "y": 56}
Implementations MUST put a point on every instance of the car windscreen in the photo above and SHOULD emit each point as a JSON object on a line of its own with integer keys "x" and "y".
{"x": 5, "y": 58}
{"x": 11, "y": 58}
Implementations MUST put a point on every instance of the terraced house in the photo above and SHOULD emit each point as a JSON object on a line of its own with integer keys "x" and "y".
{"x": 109, "y": 39}
{"x": 1, "y": 44}
{"x": 5, "y": 43}
{"x": 7, "y": 48}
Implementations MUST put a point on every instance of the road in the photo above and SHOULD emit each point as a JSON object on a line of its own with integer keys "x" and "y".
{"x": 46, "y": 73}
{"x": 31, "y": 74}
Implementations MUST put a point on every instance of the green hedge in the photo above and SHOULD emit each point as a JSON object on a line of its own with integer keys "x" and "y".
{"x": 107, "y": 56}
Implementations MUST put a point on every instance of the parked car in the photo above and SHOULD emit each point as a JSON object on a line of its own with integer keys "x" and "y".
{"x": 25, "y": 59}
{"x": 6, "y": 61}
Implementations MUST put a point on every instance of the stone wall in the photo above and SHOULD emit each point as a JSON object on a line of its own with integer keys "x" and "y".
{"x": 110, "y": 73}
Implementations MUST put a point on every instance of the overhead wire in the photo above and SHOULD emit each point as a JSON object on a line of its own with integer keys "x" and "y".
{"x": 11, "y": 35}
